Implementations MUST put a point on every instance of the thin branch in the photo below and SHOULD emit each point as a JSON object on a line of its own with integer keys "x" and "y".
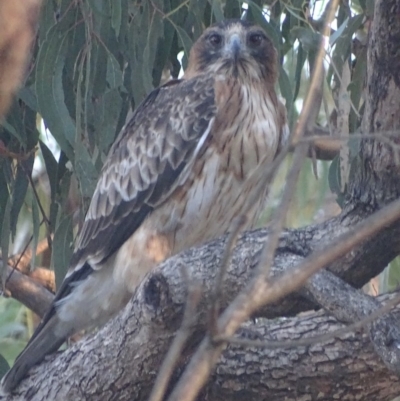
{"x": 208, "y": 352}
{"x": 45, "y": 218}
{"x": 230, "y": 244}
{"x": 28, "y": 291}
{"x": 22, "y": 260}
{"x": 307, "y": 117}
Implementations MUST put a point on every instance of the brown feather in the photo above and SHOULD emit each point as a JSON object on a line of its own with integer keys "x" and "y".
{"x": 181, "y": 170}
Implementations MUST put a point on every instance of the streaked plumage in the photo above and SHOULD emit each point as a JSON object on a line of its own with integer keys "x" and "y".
{"x": 179, "y": 172}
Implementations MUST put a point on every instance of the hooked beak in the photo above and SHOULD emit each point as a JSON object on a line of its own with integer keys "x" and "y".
{"x": 234, "y": 46}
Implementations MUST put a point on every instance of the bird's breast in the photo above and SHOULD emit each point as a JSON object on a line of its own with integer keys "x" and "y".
{"x": 247, "y": 129}
{"x": 244, "y": 141}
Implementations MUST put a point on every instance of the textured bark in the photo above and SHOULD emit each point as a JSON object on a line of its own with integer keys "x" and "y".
{"x": 344, "y": 368}
{"x": 121, "y": 361}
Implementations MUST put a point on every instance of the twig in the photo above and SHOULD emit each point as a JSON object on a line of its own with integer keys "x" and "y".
{"x": 28, "y": 292}
{"x": 230, "y": 244}
{"x": 307, "y": 115}
{"x": 22, "y": 260}
{"x": 206, "y": 356}
{"x": 45, "y": 218}
{"x": 175, "y": 350}
{"x": 315, "y": 83}
{"x": 277, "y": 222}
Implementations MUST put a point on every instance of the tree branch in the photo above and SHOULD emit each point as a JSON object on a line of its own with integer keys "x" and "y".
{"x": 28, "y": 291}
{"x": 124, "y": 357}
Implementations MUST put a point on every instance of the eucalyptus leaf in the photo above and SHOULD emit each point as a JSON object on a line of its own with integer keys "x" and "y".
{"x": 85, "y": 171}
{"x": 62, "y": 249}
{"x": 20, "y": 188}
{"x": 217, "y": 9}
{"x": 36, "y": 227}
{"x": 185, "y": 41}
{"x": 5, "y": 237}
{"x": 116, "y": 15}
{"x": 4, "y": 366}
{"x": 49, "y": 85}
{"x": 51, "y": 168}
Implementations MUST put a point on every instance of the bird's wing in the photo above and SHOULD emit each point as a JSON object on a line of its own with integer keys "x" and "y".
{"x": 150, "y": 158}
{"x": 145, "y": 165}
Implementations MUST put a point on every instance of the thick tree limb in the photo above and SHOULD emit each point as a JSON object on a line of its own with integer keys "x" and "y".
{"x": 350, "y": 305}
{"x": 124, "y": 357}
{"x": 337, "y": 369}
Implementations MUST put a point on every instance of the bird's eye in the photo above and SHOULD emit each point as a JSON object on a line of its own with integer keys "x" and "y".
{"x": 255, "y": 39}
{"x": 215, "y": 39}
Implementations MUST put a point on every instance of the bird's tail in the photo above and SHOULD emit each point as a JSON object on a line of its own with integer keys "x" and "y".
{"x": 44, "y": 342}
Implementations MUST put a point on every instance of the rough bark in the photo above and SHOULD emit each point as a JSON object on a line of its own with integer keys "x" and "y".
{"x": 344, "y": 368}
{"x": 121, "y": 360}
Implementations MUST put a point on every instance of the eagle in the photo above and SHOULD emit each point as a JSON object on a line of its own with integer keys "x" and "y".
{"x": 180, "y": 171}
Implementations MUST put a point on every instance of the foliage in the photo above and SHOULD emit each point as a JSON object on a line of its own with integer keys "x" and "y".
{"x": 94, "y": 60}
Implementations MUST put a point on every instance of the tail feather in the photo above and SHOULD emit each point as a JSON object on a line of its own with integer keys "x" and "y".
{"x": 46, "y": 341}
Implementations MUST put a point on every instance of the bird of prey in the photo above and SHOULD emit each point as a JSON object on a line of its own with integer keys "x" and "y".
{"x": 179, "y": 172}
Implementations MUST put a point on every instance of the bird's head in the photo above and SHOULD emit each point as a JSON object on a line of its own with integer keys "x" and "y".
{"x": 234, "y": 48}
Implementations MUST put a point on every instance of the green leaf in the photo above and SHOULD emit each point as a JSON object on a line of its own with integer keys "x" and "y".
{"x": 49, "y": 85}
{"x": 308, "y": 38}
{"x": 14, "y": 124}
{"x": 98, "y": 69}
{"x": 186, "y": 42}
{"x": 335, "y": 36}
{"x": 27, "y": 95}
{"x": 62, "y": 249}
{"x": 107, "y": 109}
{"x": 155, "y": 32}
{"x": 286, "y": 91}
{"x": 356, "y": 87}
{"x": 299, "y": 68}
{"x": 116, "y": 15}
{"x": 258, "y": 16}
{"x": 4, "y": 193}
{"x": 4, "y": 366}
{"x": 114, "y": 74}
{"x": 20, "y": 187}
{"x": 233, "y": 9}
{"x": 217, "y": 9}
{"x": 163, "y": 52}
{"x": 9, "y": 128}
{"x": 343, "y": 43}
{"x": 36, "y": 227}
{"x": 5, "y": 234}
{"x": 51, "y": 168}
{"x": 85, "y": 171}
